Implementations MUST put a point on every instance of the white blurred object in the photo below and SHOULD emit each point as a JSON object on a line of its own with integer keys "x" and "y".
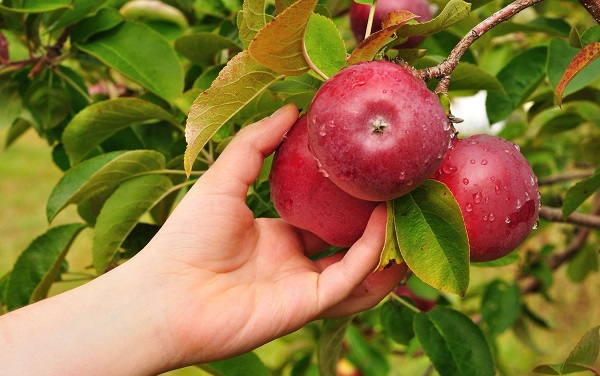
{"x": 472, "y": 111}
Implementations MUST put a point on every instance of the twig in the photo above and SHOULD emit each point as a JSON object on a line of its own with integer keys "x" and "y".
{"x": 555, "y": 215}
{"x": 593, "y": 8}
{"x": 566, "y": 176}
{"x": 445, "y": 68}
{"x": 370, "y": 19}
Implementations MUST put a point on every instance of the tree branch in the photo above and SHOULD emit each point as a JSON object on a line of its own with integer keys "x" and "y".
{"x": 555, "y": 215}
{"x": 445, "y": 68}
{"x": 593, "y": 8}
{"x": 566, "y": 176}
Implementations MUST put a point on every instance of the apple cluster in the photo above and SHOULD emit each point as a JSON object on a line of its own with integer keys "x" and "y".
{"x": 374, "y": 132}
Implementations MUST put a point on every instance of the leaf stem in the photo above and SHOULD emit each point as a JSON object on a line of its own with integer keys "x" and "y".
{"x": 446, "y": 67}
{"x": 405, "y": 303}
{"x": 312, "y": 65}
{"x": 370, "y": 19}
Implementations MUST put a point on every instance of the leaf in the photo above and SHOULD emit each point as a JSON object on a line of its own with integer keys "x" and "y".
{"x": 329, "y": 347}
{"x": 49, "y": 102}
{"x": 37, "y": 6}
{"x": 584, "y": 262}
{"x": 37, "y": 267}
{"x": 132, "y": 49}
{"x": 77, "y": 11}
{"x": 251, "y": 19}
{"x": 103, "y": 173}
{"x": 519, "y": 77}
{"x": 563, "y": 122}
{"x": 467, "y": 76}
{"x": 511, "y": 258}
{"x": 201, "y": 48}
{"x": 583, "y": 58}
{"x": 324, "y": 45}
{"x": 397, "y": 321}
{"x": 391, "y": 253}
{"x": 581, "y": 358}
{"x": 97, "y": 122}
{"x": 248, "y": 364}
{"x": 105, "y": 19}
{"x": 432, "y": 237}
{"x": 121, "y": 213}
{"x": 11, "y": 101}
{"x": 500, "y": 306}
{"x": 17, "y": 129}
{"x": 455, "y": 11}
{"x": 370, "y": 359}
{"x": 560, "y": 57}
{"x": 368, "y": 48}
{"x": 580, "y": 192}
{"x": 242, "y": 80}
{"x": 279, "y": 45}
{"x": 453, "y": 343}
{"x": 151, "y": 10}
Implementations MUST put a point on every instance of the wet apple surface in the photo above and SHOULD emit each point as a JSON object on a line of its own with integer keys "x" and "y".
{"x": 377, "y": 131}
{"x": 496, "y": 190}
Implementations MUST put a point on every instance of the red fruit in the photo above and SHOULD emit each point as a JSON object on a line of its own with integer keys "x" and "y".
{"x": 304, "y": 198}
{"x": 377, "y": 131}
{"x": 359, "y": 16}
{"x": 497, "y": 192}
{"x": 423, "y": 304}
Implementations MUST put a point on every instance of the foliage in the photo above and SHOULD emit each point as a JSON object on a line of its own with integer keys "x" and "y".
{"x": 132, "y": 97}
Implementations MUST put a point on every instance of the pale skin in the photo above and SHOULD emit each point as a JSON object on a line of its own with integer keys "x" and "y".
{"x": 212, "y": 284}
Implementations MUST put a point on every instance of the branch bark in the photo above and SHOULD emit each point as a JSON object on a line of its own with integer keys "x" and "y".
{"x": 593, "y": 8}
{"x": 445, "y": 68}
{"x": 555, "y": 215}
{"x": 566, "y": 176}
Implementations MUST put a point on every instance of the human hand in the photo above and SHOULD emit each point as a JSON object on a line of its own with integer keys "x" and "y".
{"x": 229, "y": 283}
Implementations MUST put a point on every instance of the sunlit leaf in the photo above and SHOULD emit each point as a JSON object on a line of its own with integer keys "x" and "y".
{"x": 580, "y": 192}
{"x": 391, "y": 252}
{"x": 587, "y": 54}
{"x": 324, "y": 45}
{"x": 251, "y": 19}
{"x": 37, "y": 6}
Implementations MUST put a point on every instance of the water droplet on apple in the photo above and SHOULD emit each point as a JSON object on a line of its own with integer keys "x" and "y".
{"x": 446, "y": 126}
{"x": 532, "y": 180}
{"x": 288, "y": 204}
{"x": 384, "y": 92}
{"x": 507, "y": 220}
{"x": 484, "y": 162}
{"x": 498, "y": 189}
{"x": 466, "y": 181}
{"x": 448, "y": 169}
{"x": 491, "y": 217}
{"x": 517, "y": 147}
{"x": 472, "y": 161}
{"x": 332, "y": 124}
{"x": 469, "y": 207}
{"x": 402, "y": 175}
{"x": 484, "y": 217}
{"x": 322, "y": 131}
{"x": 477, "y": 197}
{"x": 356, "y": 84}
{"x": 409, "y": 183}
{"x": 519, "y": 204}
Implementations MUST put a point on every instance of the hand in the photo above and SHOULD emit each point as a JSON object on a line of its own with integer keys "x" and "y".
{"x": 232, "y": 282}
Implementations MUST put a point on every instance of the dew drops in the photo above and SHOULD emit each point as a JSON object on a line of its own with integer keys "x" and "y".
{"x": 477, "y": 197}
{"x": 402, "y": 176}
{"x": 498, "y": 189}
{"x": 473, "y": 142}
{"x": 322, "y": 131}
{"x": 356, "y": 84}
{"x": 532, "y": 180}
{"x": 465, "y": 181}
{"x": 332, "y": 124}
{"x": 472, "y": 161}
{"x": 519, "y": 204}
{"x": 491, "y": 217}
{"x": 448, "y": 169}
{"x": 536, "y": 224}
{"x": 484, "y": 162}
{"x": 288, "y": 204}
{"x": 384, "y": 92}
{"x": 484, "y": 217}
{"x": 487, "y": 200}
{"x": 446, "y": 126}
{"x": 409, "y": 183}
{"x": 423, "y": 146}
{"x": 406, "y": 132}
{"x": 517, "y": 147}
{"x": 469, "y": 207}
{"x": 507, "y": 151}
{"x": 507, "y": 220}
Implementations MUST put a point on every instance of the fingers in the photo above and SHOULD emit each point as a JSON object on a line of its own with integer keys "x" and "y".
{"x": 239, "y": 165}
{"x": 340, "y": 280}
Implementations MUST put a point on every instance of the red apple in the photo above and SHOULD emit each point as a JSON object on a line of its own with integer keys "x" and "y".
{"x": 359, "y": 16}
{"x": 303, "y": 197}
{"x": 377, "y": 131}
{"x": 497, "y": 192}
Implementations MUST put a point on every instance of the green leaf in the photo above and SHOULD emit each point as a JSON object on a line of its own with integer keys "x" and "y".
{"x": 584, "y": 262}
{"x": 500, "y": 305}
{"x": 11, "y": 101}
{"x": 79, "y": 10}
{"x": 324, "y": 45}
{"x": 39, "y": 264}
{"x": 248, "y": 364}
{"x": 519, "y": 77}
{"x": 560, "y": 56}
{"x": 132, "y": 49}
{"x": 154, "y": 11}
{"x": 397, "y": 321}
{"x": 391, "y": 253}
{"x": 433, "y": 238}
{"x": 329, "y": 347}
{"x": 580, "y": 192}
{"x": 105, "y": 19}
{"x": 370, "y": 359}
{"x": 242, "y": 80}
{"x": 455, "y": 11}
{"x": 280, "y": 44}
{"x": 511, "y": 258}
{"x": 17, "y": 129}
{"x": 563, "y": 122}
{"x": 37, "y": 6}
{"x": 103, "y": 173}
{"x": 581, "y": 358}
{"x": 251, "y": 19}
{"x": 453, "y": 343}
{"x": 96, "y": 123}
{"x": 122, "y": 212}
{"x": 201, "y": 48}
{"x": 467, "y": 76}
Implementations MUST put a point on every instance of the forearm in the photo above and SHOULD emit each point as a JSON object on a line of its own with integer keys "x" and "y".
{"x": 110, "y": 326}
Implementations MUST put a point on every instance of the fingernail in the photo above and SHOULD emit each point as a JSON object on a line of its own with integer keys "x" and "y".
{"x": 282, "y": 109}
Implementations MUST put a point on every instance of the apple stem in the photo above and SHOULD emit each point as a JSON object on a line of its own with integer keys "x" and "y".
{"x": 446, "y": 67}
{"x": 370, "y": 20}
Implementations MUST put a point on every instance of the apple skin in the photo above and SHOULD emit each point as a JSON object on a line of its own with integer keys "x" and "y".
{"x": 304, "y": 198}
{"x": 496, "y": 190}
{"x": 359, "y": 16}
{"x": 377, "y": 131}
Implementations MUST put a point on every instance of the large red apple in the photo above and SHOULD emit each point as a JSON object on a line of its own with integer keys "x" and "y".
{"x": 359, "y": 16}
{"x": 377, "y": 131}
{"x": 303, "y": 197}
{"x": 497, "y": 192}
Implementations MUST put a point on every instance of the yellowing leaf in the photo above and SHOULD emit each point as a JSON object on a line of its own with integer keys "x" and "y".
{"x": 279, "y": 45}
{"x": 391, "y": 254}
{"x": 587, "y": 54}
{"x": 242, "y": 80}
{"x": 251, "y": 19}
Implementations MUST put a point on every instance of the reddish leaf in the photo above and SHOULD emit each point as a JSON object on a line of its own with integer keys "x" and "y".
{"x": 587, "y": 54}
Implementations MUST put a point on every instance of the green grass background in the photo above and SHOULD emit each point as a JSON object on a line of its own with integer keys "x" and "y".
{"x": 27, "y": 177}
